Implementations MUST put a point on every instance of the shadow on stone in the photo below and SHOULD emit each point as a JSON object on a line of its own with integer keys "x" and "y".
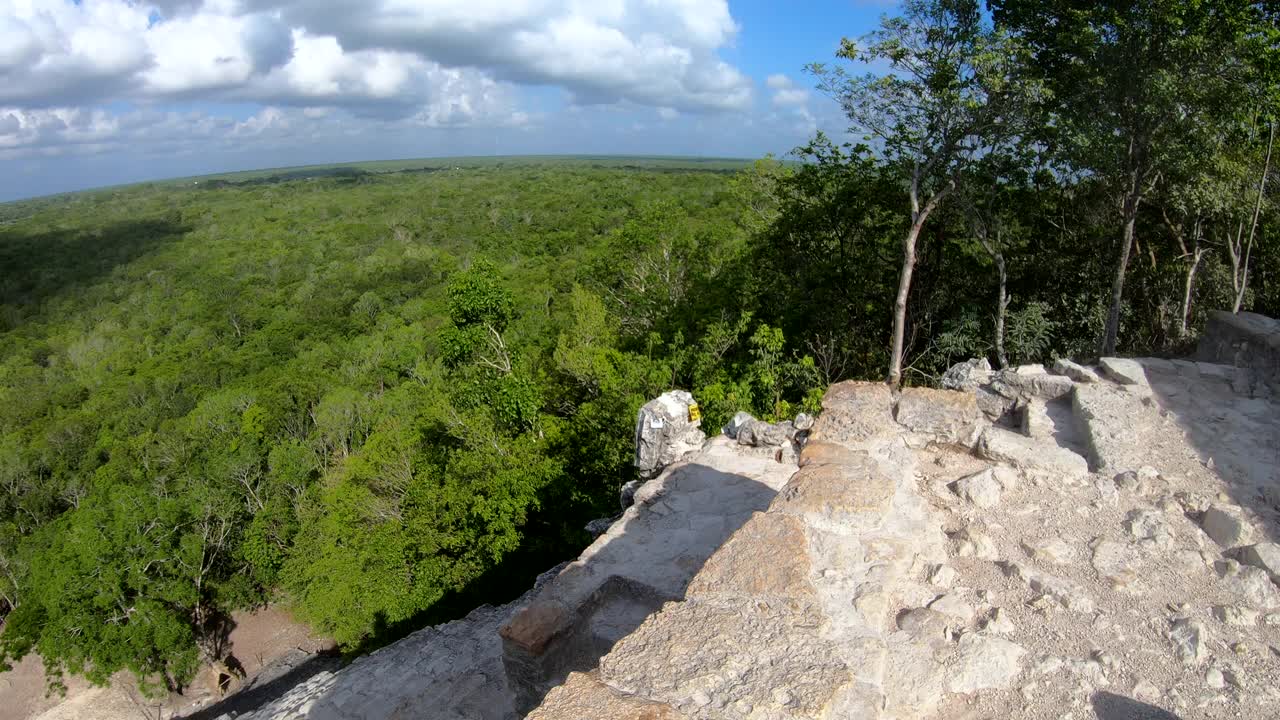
{"x": 1109, "y": 706}
{"x": 269, "y": 686}
{"x": 647, "y": 559}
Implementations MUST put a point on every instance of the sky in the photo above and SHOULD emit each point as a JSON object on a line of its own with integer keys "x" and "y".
{"x": 102, "y": 92}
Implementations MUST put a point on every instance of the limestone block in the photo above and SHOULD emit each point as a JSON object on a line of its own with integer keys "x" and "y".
{"x": 967, "y": 375}
{"x": 981, "y": 489}
{"x": 679, "y": 657}
{"x": 767, "y": 557}
{"x": 583, "y": 696}
{"x": 666, "y": 429}
{"x": 1190, "y": 640}
{"x": 1123, "y": 370}
{"x": 1227, "y": 526}
{"x": 854, "y": 412}
{"x": 949, "y": 416}
{"x": 1108, "y": 416}
{"x": 827, "y": 453}
{"x": 1263, "y": 555}
{"x": 1023, "y": 387}
{"x": 1035, "y": 420}
{"x": 1075, "y": 371}
{"x": 1050, "y": 550}
{"x": 855, "y": 494}
{"x": 1027, "y": 454}
{"x": 1250, "y": 584}
{"x": 985, "y": 663}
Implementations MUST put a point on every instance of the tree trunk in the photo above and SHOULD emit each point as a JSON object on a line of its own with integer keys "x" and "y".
{"x": 1253, "y": 226}
{"x": 1002, "y": 303}
{"x": 1188, "y": 287}
{"x": 1130, "y": 214}
{"x": 900, "y": 304}
{"x": 918, "y": 216}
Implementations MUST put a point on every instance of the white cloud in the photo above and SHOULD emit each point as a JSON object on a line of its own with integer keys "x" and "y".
{"x": 785, "y": 92}
{"x": 661, "y": 53}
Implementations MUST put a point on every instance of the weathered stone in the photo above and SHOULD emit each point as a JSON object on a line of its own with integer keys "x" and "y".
{"x": 985, "y": 663}
{"x": 1190, "y": 640}
{"x": 739, "y": 419}
{"x": 1064, "y": 593}
{"x": 1035, "y": 420}
{"x": 1115, "y": 564}
{"x": 856, "y": 494}
{"x": 854, "y": 412}
{"x": 942, "y": 576}
{"x": 993, "y": 405}
{"x": 1075, "y": 371}
{"x": 759, "y": 433}
{"x": 1236, "y": 615}
{"x": 666, "y": 429}
{"x": 767, "y": 557}
{"x": 1227, "y": 526}
{"x": 949, "y": 416}
{"x": 1025, "y": 453}
{"x": 1263, "y": 555}
{"x": 924, "y": 623}
{"x": 678, "y": 657}
{"x": 967, "y": 375}
{"x": 803, "y": 421}
{"x": 827, "y": 453}
{"x": 972, "y": 543}
{"x": 1149, "y": 526}
{"x": 583, "y": 696}
{"x": 954, "y": 606}
{"x": 981, "y": 489}
{"x": 1109, "y": 418}
{"x": 1024, "y": 387}
{"x": 1123, "y": 370}
{"x": 1252, "y": 585}
{"x": 1050, "y": 550}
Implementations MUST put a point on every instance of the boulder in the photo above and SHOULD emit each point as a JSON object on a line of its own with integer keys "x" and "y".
{"x": 1190, "y": 640}
{"x": 666, "y": 429}
{"x": 1023, "y": 387}
{"x": 759, "y": 433}
{"x": 803, "y": 421}
{"x": 1123, "y": 370}
{"x": 1075, "y": 371}
{"x": 981, "y": 489}
{"x": 1028, "y": 454}
{"x": 984, "y": 662}
{"x": 1265, "y": 556}
{"x": 949, "y": 416}
{"x": 740, "y": 418}
{"x": 967, "y": 375}
{"x": 1227, "y": 526}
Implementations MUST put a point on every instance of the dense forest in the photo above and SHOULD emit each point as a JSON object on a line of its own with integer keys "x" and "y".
{"x": 382, "y": 397}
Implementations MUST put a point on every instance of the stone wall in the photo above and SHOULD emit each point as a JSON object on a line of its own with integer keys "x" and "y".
{"x": 1244, "y": 340}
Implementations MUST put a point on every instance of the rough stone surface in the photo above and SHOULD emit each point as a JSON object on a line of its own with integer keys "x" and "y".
{"x": 967, "y": 375}
{"x": 1265, "y": 556}
{"x": 1123, "y": 370}
{"x": 1075, "y": 371}
{"x": 1227, "y": 526}
{"x": 665, "y": 431}
{"x": 950, "y": 417}
{"x": 869, "y": 583}
{"x": 1027, "y": 454}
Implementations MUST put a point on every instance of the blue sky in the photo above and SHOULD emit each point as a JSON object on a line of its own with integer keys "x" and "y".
{"x": 100, "y": 92}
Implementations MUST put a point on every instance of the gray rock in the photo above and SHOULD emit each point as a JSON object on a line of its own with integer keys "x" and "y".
{"x": 627, "y": 495}
{"x": 1028, "y": 454}
{"x": 984, "y": 662}
{"x": 740, "y": 418}
{"x": 1265, "y": 556}
{"x": 1227, "y": 526}
{"x": 1236, "y": 615}
{"x": 952, "y": 605}
{"x": 599, "y": 526}
{"x": 1019, "y": 386}
{"x": 1252, "y": 585}
{"x": 981, "y": 489}
{"x": 1075, "y": 371}
{"x": 759, "y": 433}
{"x": 1123, "y": 370}
{"x": 1190, "y": 640}
{"x": 967, "y": 375}
{"x": 666, "y": 429}
{"x": 803, "y": 421}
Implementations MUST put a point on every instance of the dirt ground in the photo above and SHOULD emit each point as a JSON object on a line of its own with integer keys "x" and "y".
{"x": 259, "y": 638}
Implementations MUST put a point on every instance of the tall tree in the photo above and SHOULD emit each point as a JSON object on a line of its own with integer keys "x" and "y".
{"x": 1126, "y": 76}
{"x": 927, "y": 114}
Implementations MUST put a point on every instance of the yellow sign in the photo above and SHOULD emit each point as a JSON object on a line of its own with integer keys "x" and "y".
{"x": 695, "y": 413}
